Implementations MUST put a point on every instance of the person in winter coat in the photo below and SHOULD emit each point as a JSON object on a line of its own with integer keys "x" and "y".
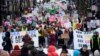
{"x": 26, "y": 39}
{"x": 84, "y": 51}
{"x": 52, "y": 51}
{"x": 41, "y": 37}
{"x": 24, "y": 51}
{"x": 95, "y": 42}
{"x": 58, "y": 35}
{"x": 65, "y": 36}
{"x": 52, "y": 37}
{"x": 15, "y": 51}
{"x": 76, "y": 53}
{"x": 40, "y": 52}
{"x": 32, "y": 51}
{"x": 7, "y": 45}
{"x": 70, "y": 42}
{"x": 64, "y": 51}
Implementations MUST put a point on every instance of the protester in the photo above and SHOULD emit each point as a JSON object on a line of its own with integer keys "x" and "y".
{"x": 24, "y": 51}
{"x": 26, "y": 39}
{"x": 52, "y": 51}
{"x": 40, "y": 51}
{"x": 95, "y": 42}
{"x": 16, "y": 51}
{"x": 41, "y": 37}
{"x": 7, "y": 45}
{"x": 65, "y": 36}
{"x": 58, "y": 35}
{"x": 52, "y": 37}
{"x": 64, "y": 51}
{"x": 16, "y": 47}
{"x": 70, "y": 42}
{"x": 32, "y": 51}
{"x": 76, "y": 53}
{"x": 84, "y": 51}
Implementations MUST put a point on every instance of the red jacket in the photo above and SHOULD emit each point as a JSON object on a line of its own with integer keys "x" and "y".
{"x": 52, "y": 51}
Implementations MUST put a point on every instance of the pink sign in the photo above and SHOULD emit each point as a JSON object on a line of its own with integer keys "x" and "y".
{"x": 52, "y": 18}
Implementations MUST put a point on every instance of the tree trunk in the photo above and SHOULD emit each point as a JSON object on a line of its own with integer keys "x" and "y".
{"x": 82, "y": 6}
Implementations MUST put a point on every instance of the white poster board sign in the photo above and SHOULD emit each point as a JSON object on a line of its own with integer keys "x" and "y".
{"x": 16, "y": 37}
{"x": 81, "y": 38}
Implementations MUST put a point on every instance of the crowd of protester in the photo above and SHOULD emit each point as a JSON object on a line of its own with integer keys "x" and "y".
{"x": 54, "y": 23}
{"x": 28, "y": 48}
{"x": 52, "y": 16}
{"x": 53, "y": 20}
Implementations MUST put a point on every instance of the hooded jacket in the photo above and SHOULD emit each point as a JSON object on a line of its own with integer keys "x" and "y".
{"x": 52, "y": 51}
{"x": 82, "y": 53}
{"x": 76, "y": 53}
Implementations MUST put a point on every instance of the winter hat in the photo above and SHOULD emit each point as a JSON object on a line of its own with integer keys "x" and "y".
{"x": 52, "y": 51}
{"x": 16, "y": 47}
{"x": 85, "y": 45}
{"x": 96, "y": 33}
{"x": 51, "y": 48}
{"x": 96, "y": 53}
{"x": 76, "y": 53}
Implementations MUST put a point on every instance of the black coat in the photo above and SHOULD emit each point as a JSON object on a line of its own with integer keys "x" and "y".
{"x": 24, "y": 51}
{"x": 94, "y": 43}
{"x": 8, "y": 44}
{"x": 71, "y": 38}
{"x": 82, "y": 53}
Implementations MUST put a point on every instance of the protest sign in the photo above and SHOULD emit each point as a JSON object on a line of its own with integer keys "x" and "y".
{"x": 16, "y": 37}
{"x": 81, "y": 38}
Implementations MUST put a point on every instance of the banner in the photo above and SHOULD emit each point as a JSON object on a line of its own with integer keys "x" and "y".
{"x": 16, "y": 37}
{"x": 81, "y": 38}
